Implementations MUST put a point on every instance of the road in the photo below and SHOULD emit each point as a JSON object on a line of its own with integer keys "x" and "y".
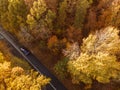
{"x": 55, "y": 84}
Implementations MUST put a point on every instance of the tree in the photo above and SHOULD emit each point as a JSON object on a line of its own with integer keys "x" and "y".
{"x": 3, "y": 13}
{"x": 66, "y": 13}
{"x": 40, "y": 16}
{"x": 103, "y": 41}
{"x": 55, "y": 44}
{"x": 29, "y": 2}
{"x": 103, "y": 14}
{"x": 101, "y": 67}
{"x": 72, "y": 32}
{"x": 73, "y": 51}
{"x": 97, "y": 60}
{"x": 17, "y": 12}
{"x": 3, "y": 7}
{"x": 115, "y": 13}
{"x": 81, "y": 10}
{"x": 1, "y": 58}
{"x": 62, "y": 13}
{"x": 16, "y": 78}
{"x": 61, "y": 68}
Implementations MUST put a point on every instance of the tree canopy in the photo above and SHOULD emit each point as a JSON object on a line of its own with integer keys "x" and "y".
{"x": 16, "y": 78}
{"x": 97, "y": 60}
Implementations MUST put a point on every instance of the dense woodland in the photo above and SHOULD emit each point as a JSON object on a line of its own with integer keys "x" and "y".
{"x": 78, "y": 40}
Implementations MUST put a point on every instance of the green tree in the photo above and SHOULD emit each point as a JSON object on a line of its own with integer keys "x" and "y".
{"x": 3, "y": 13}
{"x": 3, "y": 7}
{"x": 62, "y": 13}
{"x": 61, "y": 68}
{"x": 17, "y": 12}
{"x": 97, "y": 60}
{"x": 81, "y": 10}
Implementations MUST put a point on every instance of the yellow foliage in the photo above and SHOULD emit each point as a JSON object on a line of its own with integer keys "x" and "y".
{"x": 100, "y": 67}
{"x": 1, "y": 57}
{"x": 68, "y": 45}
{"x": 15, "y": 61}
{"x": 17, "y": 79}
{"x": 97, "y": 60}
{"x": 106, "y": 40}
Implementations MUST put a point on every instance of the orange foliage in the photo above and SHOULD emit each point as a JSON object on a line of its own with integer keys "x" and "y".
{"x": 52, "y": 41}
{"x": 56, "y": 45}
{"x": 53, "y": 44}
{"x": 104, "y": 14}
{"x": 52, "y": 4}
{"x": 74, "y": 35}
{"x": 5, "y": 50}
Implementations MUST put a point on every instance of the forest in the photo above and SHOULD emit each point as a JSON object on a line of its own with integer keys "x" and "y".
{"x": 77, "y": 40}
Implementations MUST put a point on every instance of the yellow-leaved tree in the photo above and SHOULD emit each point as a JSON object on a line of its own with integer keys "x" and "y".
{"x": 97, "y": 60}
{"x": 16, "y": 78}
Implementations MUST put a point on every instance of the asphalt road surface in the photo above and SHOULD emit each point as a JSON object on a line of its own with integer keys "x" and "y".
{"x": 55, "y": 84}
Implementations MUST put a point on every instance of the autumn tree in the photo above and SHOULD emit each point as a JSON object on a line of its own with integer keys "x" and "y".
{"x": 97, "y": 60}
{"x": 62, "y": 13}
{"x": 16, "y": 78}
{"x": 17, "y": 12}
{"x": 106, "y": 40}
{"x": 40, "y": 16}
{"x": 116, "y": 13}
{"x": 101, "y": 67}
{"x": 81, "y": 11}
{"x": 61, "y": 68}
{"x": 8, "y": 56}
{"x": 72, "y": 13}
{"x": 29, "y": 2}
{"x": 13, "y": 14}
{"x": 3, "y": 7}
{"x": 109, "y": 13}
{"x": 73, "y": 51}
{"x": 103, "y": 14}
{"x": 55, "y": 45}
{"x": 3, "y": 13}
{"x": 52, "y": 43}
{"x": 66, "y": 13}
{"x": 72, "y": 32}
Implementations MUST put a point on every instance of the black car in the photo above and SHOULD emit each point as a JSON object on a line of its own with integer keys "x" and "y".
{"x": 25, "y": 51}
